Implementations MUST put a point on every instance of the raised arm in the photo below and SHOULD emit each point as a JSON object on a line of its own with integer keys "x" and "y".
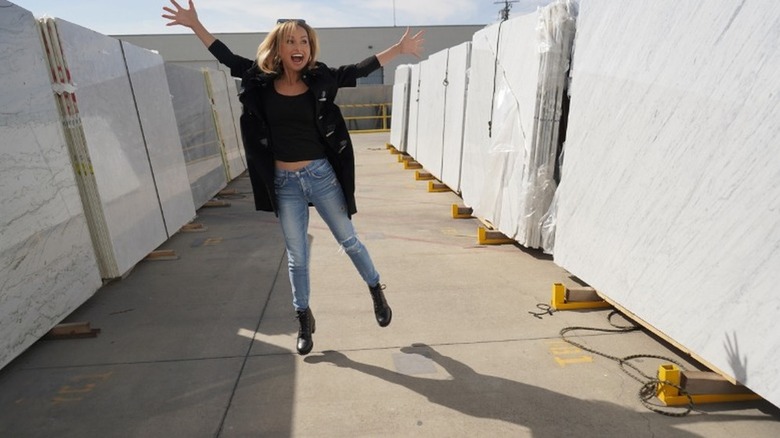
{"x": 188, "y": 18}
{"x": 408, "y": 45}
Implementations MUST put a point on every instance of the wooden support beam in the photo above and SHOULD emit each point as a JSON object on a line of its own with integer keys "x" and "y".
{"x": 162, "y": 254}
{"x": 701, "y": 386}
{"x": 193, "y": 227}
{"x": 72, "y": 330}
{"x": 214, "y": 203}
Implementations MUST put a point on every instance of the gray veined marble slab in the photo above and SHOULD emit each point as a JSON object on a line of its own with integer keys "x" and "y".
{"x": 670, "y": 191}
{"x": 161, "y": 136}
{"x": 47, "y": 263}
{"x": 217, "y": 86}
{"x": 430, "y": 119}
{"x": 115, "y": 144}
{"x": 236, "y": 109}
{"x": 458, "y": 64}
{"x": 199, "y": 139}
{"x": 399, "y": 126}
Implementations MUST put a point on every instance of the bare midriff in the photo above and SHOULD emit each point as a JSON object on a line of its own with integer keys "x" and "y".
{"x": 292, "y": 166}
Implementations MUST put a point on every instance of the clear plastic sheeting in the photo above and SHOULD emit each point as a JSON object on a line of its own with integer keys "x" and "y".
{"x": 399, "y": 125}
{"x": 669, "y": 195}
{"x": 517, "y": 81}
{"x": 48, "y": 266}
{"x": 197, "y": 131}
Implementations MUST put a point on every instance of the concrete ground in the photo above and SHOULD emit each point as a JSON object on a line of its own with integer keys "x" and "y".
{"x": 203, "y": 346}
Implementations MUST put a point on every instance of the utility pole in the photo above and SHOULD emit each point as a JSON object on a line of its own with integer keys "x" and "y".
{"x": 504, "y": 12}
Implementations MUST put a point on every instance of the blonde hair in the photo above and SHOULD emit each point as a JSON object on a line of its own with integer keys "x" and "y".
{"x": 268, "y": 51}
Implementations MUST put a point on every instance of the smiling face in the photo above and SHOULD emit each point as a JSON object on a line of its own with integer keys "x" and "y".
{"x": 294, "y": 49}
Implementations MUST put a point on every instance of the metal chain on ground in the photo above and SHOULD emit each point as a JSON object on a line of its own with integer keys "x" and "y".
{"x": 546, "y": 309}
{"x": 649, "y": 383}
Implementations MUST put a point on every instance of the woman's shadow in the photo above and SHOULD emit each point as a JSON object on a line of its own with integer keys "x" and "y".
{"x": 544, "y": 412}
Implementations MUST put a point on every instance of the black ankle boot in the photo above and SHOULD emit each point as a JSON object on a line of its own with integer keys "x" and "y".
{"x": 307, "y": 326}
{"x": 382, "y": 311}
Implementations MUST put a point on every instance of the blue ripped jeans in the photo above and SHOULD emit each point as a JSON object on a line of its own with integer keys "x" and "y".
{"x": 316, "y": 184}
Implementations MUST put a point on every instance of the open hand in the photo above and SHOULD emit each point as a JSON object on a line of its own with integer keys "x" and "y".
{"x": 181, "y": 16}
{"x": 412, "y": 45}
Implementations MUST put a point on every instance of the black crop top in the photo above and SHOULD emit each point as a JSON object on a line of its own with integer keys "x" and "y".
{"x": 294, "y": 135}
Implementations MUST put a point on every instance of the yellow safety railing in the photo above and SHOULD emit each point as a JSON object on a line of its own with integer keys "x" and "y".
{"x": 382, "y": 114}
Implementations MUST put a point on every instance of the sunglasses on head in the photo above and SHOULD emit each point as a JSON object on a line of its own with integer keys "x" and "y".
{"x": 286, "y": 20}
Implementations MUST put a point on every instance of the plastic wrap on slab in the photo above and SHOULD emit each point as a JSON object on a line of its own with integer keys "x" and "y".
{"x": 516, "y": 86}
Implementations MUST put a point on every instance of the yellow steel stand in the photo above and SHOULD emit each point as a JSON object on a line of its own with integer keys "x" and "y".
{"x": 422, "y": 176}
{"x": 459, "y": 212}
{"x": 435, "y": 187}
{"x": 573, "y": 299}
{"x": 491, "y": 237}
{"x": 412, "y": 164}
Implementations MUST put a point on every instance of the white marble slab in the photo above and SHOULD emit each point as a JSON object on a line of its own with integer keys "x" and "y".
{"x": 160, "y": 134}
{"x": 115, "y": 143}
{"x": 669, "y": 196}
{"x": 217, "y": 86}
{"x": 509, "y": 146}
{"x": 429, "y": 151}
{"x": 399, "y": 125}
{"x": 414, "y": 108}
{"x": 199, "y": 140}
{"x": 477, "y": 125}
{"x": 47, "y": 264}
{"x": 458, "y": 64}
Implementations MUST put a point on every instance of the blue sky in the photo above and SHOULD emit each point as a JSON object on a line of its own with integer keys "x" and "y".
{"x": 143, "y": 16}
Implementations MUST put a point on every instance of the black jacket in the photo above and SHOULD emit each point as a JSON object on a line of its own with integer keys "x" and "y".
{"x": 323, "y": 83}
